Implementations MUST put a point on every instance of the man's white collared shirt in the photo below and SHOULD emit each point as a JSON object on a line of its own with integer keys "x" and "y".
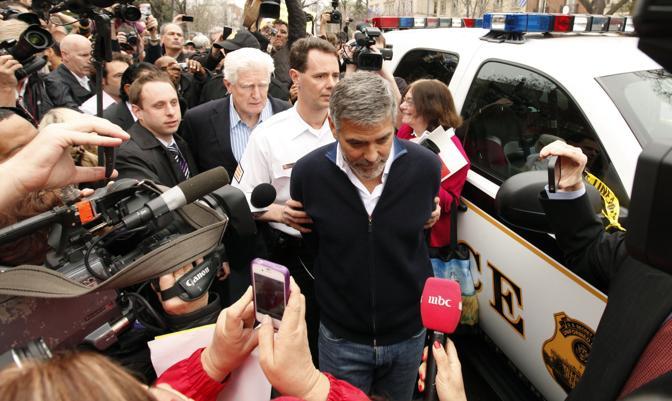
{"x": 370, "y": 199}
{"x": 273, "y": 149}
{"x": 83, "y": 81}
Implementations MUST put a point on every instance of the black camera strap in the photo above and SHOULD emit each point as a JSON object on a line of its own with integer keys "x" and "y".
{"x": 195, "y": 283}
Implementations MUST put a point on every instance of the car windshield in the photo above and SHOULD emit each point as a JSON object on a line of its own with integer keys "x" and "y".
{"x": 644, "y": 98}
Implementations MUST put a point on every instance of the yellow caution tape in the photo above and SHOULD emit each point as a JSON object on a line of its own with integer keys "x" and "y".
{"x": 611, "y": 208}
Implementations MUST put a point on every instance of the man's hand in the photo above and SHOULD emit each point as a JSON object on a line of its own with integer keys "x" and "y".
{"x": 46, "y": 163}
{"x": 285, "y": 358}
{"x": 152, "y": 26}
{"x": 176, "y": 306}
{"x": 294, "y": 216}
{"x": 436, "y": 214}
{"x": 195, "y": 67}
{"x": 121, "y": 38}
{"x": 178, "y": 19}
{"x": 224, "y": 272}
{"x": 8, "y": 82}
{"x": 234, "y": 339}
{"x": 571, "y": 163}
{"x": 449, "y": 383}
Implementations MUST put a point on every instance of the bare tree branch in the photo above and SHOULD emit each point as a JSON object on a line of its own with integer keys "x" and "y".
{"x": 617, "y": 6}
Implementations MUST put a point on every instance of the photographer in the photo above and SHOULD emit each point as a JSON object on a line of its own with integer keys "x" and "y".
{"x": 29, "y": 93}
{"x": 284, "y": 38}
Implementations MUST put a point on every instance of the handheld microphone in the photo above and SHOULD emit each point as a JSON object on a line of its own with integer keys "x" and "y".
{"x": 262, "y": 195}
{"x": 178, "y": 196}
{"x": 440, "y": 308}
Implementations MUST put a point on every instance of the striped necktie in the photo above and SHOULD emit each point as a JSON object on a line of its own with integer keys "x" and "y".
{"x": 179, "y": 159}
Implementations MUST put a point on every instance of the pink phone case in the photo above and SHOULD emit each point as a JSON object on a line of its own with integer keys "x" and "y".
{"x": 274, "y": 266}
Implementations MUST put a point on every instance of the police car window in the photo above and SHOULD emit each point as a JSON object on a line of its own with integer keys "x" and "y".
{"x": 644, "y": 98}
{"x": 430, "y": 64}
{"x": 510, "y": 113}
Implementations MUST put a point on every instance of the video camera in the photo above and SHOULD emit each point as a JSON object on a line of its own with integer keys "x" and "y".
{"x": 363, "y": 56}
{"x": 129, "y": 228}
{"x": 123, "y": 9}
{"x": 335, "y": 16}
{"x": 33, "y": 40}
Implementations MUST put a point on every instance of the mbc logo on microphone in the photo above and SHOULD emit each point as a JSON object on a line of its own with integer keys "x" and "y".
{"x": 441, "y": 305}
{"x": 440, "y": 301}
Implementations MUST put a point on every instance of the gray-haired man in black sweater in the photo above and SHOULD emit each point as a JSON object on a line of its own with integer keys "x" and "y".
{"x": 369, "y": 196}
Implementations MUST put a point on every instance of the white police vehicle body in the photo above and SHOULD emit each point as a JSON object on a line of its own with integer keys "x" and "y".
{"x": 593, "y": 90}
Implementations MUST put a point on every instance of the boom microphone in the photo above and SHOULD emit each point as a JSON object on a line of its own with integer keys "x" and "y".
{"x": 178, "y": 196}
{"x": 440, "y": 308}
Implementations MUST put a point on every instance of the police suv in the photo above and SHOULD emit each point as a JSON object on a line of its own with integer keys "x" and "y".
{"x": 521, "y": 82}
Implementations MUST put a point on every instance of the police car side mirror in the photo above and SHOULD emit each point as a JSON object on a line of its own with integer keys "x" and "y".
{"x": 517, "y": 201}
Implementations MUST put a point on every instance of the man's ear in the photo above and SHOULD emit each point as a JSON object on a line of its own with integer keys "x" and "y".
{"x": 137, "y": 111}
{"x": 294, "y": 75}
{"x": 228, "y": 85}
{"x": 127, "y": 89}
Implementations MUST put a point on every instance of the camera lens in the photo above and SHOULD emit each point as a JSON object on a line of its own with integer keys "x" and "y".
{"x": 36, "y": 39}
{"x": 132, "y": 13}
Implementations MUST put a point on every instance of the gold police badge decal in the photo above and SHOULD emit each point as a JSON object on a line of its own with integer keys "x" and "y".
{"x": 566, "y": 353}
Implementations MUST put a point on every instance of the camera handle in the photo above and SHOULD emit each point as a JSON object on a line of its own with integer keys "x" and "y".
{"x": 102, "y": 52}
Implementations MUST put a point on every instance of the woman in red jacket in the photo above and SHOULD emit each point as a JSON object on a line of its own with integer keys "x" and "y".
{"x": 427, "y": 105}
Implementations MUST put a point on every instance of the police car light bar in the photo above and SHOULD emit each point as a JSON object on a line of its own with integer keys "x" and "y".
{"x": 511, "y": 27}
{"x": 537, "y": 22}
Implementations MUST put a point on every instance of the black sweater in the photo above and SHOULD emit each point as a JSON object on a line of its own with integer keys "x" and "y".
{"x": 369, "y": 272}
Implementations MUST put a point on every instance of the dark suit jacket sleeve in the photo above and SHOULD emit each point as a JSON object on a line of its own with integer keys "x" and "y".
{"x": 152, "y": 53}
{"x": 590, "y": 251}
{"x": 296, "y": 187}
{"x": 131, "y": 164}
{"x": 297, "y": 21}
{"x": 59, "y": 93}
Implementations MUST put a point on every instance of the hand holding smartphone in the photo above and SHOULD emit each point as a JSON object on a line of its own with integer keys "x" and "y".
{"x": 553, "y": 173}
{"x": 270, "y": 282}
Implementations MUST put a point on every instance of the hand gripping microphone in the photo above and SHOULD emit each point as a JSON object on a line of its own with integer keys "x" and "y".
{"x": 441, "y": 308}
{"x": 178, "y": 196}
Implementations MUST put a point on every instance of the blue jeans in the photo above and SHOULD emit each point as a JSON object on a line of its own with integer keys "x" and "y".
{"x": 389, "y": 371}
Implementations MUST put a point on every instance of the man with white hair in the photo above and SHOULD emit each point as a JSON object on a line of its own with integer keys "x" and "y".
{"x": 68, "y": 85}
{"x": 218, "y": 131}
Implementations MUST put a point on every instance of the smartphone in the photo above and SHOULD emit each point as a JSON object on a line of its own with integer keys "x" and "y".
{"x": 270, "y": 282}
{"x": 553, "y": 165}
{"x": 187, "y": 18}
{"x": 145, "y": 10}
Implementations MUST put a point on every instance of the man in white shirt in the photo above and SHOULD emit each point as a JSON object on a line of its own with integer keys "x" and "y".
{"x": 68, "y": 85}
{"x": 277, "y": 144}
{"x": 112, "y": 72}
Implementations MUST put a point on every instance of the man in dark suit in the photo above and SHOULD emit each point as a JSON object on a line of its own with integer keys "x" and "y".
{"x": 68, "y": 85}
{"x": 632, "y": 348}
{"x": 218, "y": 131}
{"x": 120, "y": 113}
{"x": 155, "y": 152}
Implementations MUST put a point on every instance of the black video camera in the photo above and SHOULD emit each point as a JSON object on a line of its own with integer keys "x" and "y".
{"x": 98, "y": 237}
{"x": 363, "y": 56}
{"x": 33, "y": 40}
{"x": 335, "y": 16}
{"x": 126, "y": 12}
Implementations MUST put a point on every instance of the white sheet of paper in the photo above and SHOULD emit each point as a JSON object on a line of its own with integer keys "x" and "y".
{"x": 246, "y": 383}
{"x": 452, "y": 158}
